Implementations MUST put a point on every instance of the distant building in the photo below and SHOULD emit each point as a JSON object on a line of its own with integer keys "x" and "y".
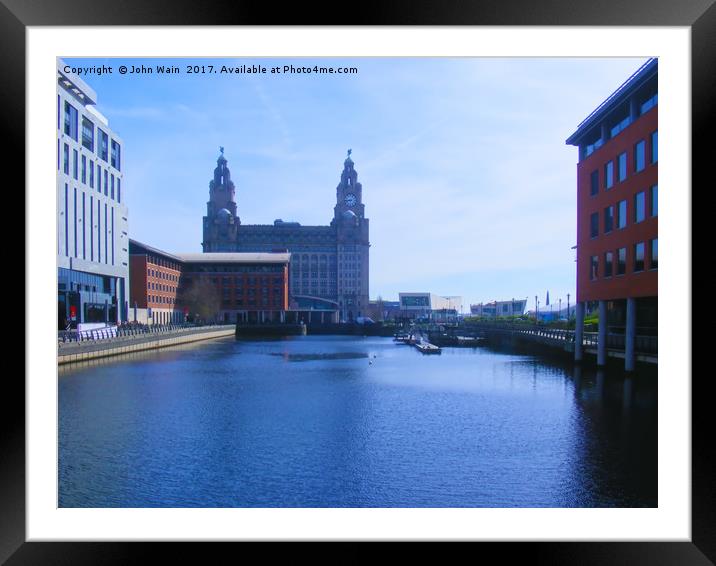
{"x": 514, "y": 307}
{"x": 224, "y": 287}
{"x": 329, "y": 269}
{"x": 92, "y": 239}
{"x": 617, "y": 209}
{"x": 381, "y": 310}
{"x": 429, "y": 306}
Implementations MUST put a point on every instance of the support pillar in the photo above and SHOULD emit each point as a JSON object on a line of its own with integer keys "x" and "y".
{"x": 579, "y": 331}
{"x": 602, "y": 341}
{"x": 630, "y": 338}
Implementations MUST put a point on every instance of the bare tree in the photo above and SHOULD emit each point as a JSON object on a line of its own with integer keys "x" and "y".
{"x": 202, "y": 299}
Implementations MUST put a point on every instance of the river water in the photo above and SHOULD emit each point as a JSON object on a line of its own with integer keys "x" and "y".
{"x": 338, "y": 421}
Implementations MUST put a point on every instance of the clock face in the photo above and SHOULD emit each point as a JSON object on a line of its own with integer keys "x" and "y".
{"x": 351, "y": 199}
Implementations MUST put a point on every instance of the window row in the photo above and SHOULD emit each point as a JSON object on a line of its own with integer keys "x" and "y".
{"x": 92, "y": 231}
{"x": 638, "y": 164}
{"x": 615, "y": 216}
{"x": 83, "y": 170}
{"x": 162, "y": 275}
{"x": 107, "y": 150}
{"x": 615, "y": 263}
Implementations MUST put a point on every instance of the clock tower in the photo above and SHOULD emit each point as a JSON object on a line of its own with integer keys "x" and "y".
{"x": 352, "y": 244}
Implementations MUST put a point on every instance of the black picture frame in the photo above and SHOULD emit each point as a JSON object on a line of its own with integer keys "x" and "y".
{"x": 17, "y": 15}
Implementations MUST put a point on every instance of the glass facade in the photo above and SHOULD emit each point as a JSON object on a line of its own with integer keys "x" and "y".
{"x": 85, "y": 298}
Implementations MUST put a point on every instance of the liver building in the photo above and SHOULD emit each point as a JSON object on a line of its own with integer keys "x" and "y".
{"x": 329, "y": 264}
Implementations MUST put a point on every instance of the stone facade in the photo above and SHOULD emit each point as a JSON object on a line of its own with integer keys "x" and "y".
{"x": 329, "y": 264}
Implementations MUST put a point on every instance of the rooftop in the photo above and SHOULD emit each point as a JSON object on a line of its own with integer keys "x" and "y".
{"x": 619, "y": 96}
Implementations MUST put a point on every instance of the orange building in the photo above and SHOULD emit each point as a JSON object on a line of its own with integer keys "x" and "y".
{"x": 617, "y": 213}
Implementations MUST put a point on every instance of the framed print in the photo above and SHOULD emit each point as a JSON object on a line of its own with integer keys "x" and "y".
{"x": 323, "y": 443}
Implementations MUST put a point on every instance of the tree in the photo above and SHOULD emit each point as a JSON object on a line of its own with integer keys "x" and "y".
{"x": 202, "y": 299}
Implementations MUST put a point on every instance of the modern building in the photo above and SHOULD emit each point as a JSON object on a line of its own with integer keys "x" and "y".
{"x": 222, "y": 286}
{"x": 429, "y": 306}
{"x": 513, "y": 307}
{"x": 617, "y": 211}
{"x": 92, "y": 220}
{"x": 329, "y": 264}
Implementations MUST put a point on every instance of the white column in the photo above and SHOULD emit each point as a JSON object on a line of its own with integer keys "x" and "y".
{"x": 629, "y": 354}
{"x": 578, "y": 332}
{"x": 602, "y": 342}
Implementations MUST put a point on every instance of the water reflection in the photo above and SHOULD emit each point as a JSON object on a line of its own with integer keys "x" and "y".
{"x": 352, "y": 422}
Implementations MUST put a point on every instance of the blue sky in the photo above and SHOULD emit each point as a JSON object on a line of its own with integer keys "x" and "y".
{"x": 468, "y": 184}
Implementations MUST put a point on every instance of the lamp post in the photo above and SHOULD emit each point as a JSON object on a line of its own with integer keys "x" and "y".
{"x": 567, "y": 307}
{"x": 536, "y": 310}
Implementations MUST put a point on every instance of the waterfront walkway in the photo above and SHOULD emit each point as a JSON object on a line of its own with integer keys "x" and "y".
{"x": 112, "y": 342}
{"x": 646, "y": 347}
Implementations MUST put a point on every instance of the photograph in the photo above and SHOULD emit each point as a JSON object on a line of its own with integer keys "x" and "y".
{"x": 357, "y": 282}
{"x": 392, "y": 279}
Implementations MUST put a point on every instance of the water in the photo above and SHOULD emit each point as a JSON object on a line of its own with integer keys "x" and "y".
{"x": 324, "y": 421}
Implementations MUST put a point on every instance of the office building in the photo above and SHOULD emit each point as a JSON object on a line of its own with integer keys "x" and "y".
{"x": 92, "y": 218}
{"x": 617, "y": 211}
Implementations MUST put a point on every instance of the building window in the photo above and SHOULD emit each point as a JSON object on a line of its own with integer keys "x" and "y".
{"x": 640, "y": 156}
{"x": 70, "y": 121}
{"x": 74, "y": 163}
{"x": 608, "y": 219}
{"x": 106, "y": 259}
{"x": 654, "y": 253}
{"x": 639, "y": 256}
{"x": 609, "y": 175}
{"x": 620, "y": 126}
{"x": 115, "y": 155}
{"x": 594, "y": 267}
{"x": 84, "y": 222}
{"x": 91, "y": 228}
{"x": 112, "y": 193}
{"x": 608, "y": 264}
{"x": 594, "y": 225}
{"x": 67, "y": 214}
{"x": 91, "y": 174}
{"x": 74, "y": 219}
{"x": 103, "y": 144}
{"x": 119, "y": 190}
{"x": 66, "y": 159}
{"x": 594, "y": 188}
{"x": 99, "y": 178}
{"x": 621, "y": 261}
{"x": 655, "y": 147}
{"x": 99, "y": 233}
{"x": 655, "y": 200}
{"x": 649, "y": 103}
{"x": 622, "y": 214}
{"x": 87, "y": 134}
{"x": 622, "y": 166}
{"x": 106, "y": 184}
{"x": 639, "y": 207}
{"x": 84, "y": 169}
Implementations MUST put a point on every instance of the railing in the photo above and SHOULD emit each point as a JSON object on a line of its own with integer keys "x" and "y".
{"x": 125, "y": 331}
{"x": 642, "y": 344}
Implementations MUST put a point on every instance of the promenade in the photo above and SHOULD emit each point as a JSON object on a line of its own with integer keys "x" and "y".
{"x": 100, "y": 344}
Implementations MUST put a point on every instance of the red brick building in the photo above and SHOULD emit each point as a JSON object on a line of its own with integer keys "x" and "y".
{"x": 224, "y": 287}
{"x": 617, "y": 211}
